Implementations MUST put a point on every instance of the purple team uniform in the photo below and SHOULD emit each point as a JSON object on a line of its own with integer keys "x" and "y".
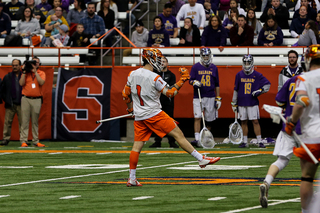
{"x": 169, "y": 23}
{"x": 246, "y": 84}
{"x": 284, "y": 96}
{"x": 210, "y": 75}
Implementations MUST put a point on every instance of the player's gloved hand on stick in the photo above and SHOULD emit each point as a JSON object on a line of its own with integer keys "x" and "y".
{"x": 196, "y": 84}
{"x": 184, "y": 74}
{"x": 130, "y": 111}
{"x": 234, "y": 107}
{"x": 218, "y": 102}
{"x": 290, "y": 126}
{"x": 257, "y": 92}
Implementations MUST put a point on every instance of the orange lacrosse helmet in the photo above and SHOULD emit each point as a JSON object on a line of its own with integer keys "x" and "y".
{"x": 153, "y": 57}
{"x": 313, "y": 52}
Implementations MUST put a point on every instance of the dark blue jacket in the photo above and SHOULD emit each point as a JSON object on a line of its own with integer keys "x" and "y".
{"x": 270, "y": 35}
{"x": 211, "y": 37}
{"x": 159, "y": 37}
{"x": 312, "y": 14}
{"x": 298, "y": 24}
{"x": 5, "y": 23}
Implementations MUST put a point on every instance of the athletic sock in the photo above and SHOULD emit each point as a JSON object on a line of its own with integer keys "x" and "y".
{"x": 269, "y": 179}
{"x": 197, "y": 136}
{"x": 259, "y": 138}
{"x": 197, "y": 155}
{"x": 133, "y": 162}
{"x": 133, "y": 174}
{"x": 245, "y": 139}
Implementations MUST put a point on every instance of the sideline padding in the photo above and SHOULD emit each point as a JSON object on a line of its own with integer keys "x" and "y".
{"x": 45, "y": 113}
{"x": 183, "y": 101}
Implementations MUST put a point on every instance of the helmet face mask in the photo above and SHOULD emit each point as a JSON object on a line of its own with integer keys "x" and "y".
{"x": 205, "y": 56}
{"x": 247, "y": 64}
{"x": 153, "y": 57}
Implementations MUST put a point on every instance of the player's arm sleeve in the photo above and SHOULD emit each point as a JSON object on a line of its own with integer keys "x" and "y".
{"x": 192, "y": 75}
{"x": 126, "y": 94}
{"x": 280, "y": 82}
{"x": 235, "y": 97}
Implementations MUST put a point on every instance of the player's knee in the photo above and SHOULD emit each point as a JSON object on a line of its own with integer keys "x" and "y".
{"x": 255, "y": 122}
{"x": 281, "y": 162}
{"x": 307, "y": 179}
{"x": 197, "y": 119}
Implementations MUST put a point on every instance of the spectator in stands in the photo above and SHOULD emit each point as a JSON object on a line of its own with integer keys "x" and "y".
{"x": 214, "y": 5}
{"x": 27, "y": 26}
{"x": 318, "y": 20}
{"x": 248, "y": 4}
{"x": 12, "y": 8}
{"x": 44, "y": 7}
{"x": 79, "y": 39}
{"x": 108, "y": 17}
{"x": 11, "y": 95}
{"x": 54, "y": 20}
{"x": 139, "y": 37}
{"x": 310, "y": 35}
{"x": 63, "y": 36}
{"x": 208, "y": 11}
{"x": 170, "y": 22}
{"x": 176, "y": 5}
{"x": 77, "y": 13}
{"x": 31, "y": 101}
{"x": 49, "y": 28}
{"x": 56, "y": 4}
{"x": 123, "y": 6}
{"x": 311, "y": 15}
{"x": 232, "y": 20}
{"x": 158, "y": 36}
{"x": 241, "y": 34}
{"x": 189, "y": 34}
{"x": 224, "y": 5}
{"x": 297, "y": 24}
{"x": 36, "y": 12}
{"x": 280, "y": 12}
{"x": 253, "y": 21}
{"x": 193, "y": 10}
{"x": 214, "y": 34}
{"x": 114, "y": 7}
{"x": 268, "y": 3}
{"x": 5, "y": 23}
{"x": 234, "y": 4}
{"x": 271, "y": 34}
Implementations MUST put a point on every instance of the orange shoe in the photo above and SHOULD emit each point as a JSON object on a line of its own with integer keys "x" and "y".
{"x": 39, "y": 145}
{"x": 24, "y": 144}
{"x": 208, "y": 160}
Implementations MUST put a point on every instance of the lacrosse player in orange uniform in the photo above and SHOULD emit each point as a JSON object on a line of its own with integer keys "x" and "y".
{"x": 141, "y": 94}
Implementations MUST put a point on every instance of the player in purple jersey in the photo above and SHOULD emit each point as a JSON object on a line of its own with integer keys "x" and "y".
{"x": 204, "y": 76}
{"x": 284, "y": 144}
{"x": 249, "y": 84}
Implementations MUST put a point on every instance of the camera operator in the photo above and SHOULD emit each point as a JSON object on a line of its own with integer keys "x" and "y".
{"x": 31, "y": 81}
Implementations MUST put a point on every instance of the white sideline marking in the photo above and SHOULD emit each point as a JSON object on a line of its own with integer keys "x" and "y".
{"x": 214, "y": 167}
{"x": 111, "y": 172}
{"x": 153, "y": 153}
{"x": 15, "y": 167}
{"x": 6, "y": 153}
{"x": 142, "y": 197}
{"x": 55, "y": 153}
{"x": 72, "y": 147}
{"x": 118, "y": 147}
{"x": 217, "y": 198}
{"x": 104, "y": 153}
{"x": 69, "y": 197}
{"x": 1, "y": 196}
{"x": 258, "y": 207}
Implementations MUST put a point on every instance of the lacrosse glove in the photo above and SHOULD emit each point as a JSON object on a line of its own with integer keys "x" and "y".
{"x": 218, "y": 102}
{"x": 234, "y": 107}
{"x": 290, "y": 126}
{"x": 257, "y": 92}
{"x": 196, "y": 84}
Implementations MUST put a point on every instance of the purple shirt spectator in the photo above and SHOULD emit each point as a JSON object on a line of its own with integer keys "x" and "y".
{"x": 284, "y": 97}
{"x": 169, "y": 23}
{"x": 246, "y": 84}
{"x": 199, "y": 72}
{"x": 160, "y": 37}
{"x": 12, "y": 8}
{"x": 176, "y": 5}
{"x": 44, "y": 8}
{"x": 211, "y": 37}
{"x": 270, "y": 35}
{"x": 224, "y": 5}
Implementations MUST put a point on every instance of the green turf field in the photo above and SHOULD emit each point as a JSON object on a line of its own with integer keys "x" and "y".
{"x": 91, "y": 177}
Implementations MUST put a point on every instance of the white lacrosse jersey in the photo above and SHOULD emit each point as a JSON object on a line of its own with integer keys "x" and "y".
{"x": 145, "y": 90}
{"x": 310, "y": 119}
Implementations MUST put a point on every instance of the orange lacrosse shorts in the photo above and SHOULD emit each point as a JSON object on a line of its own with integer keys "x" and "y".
{"x": 161, "y": 124}
{"x": 301, "y": 152}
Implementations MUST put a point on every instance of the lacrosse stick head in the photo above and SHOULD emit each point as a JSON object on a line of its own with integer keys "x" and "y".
{"x": 206, "y": 139}
{"x": 235, "y": 133}
{"x": 275, "y": 112}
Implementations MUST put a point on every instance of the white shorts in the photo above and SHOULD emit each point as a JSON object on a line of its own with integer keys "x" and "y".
{"x": 248, "y": 112}
{"x": 284, "y": 145}
{"x": 210, "y": 112}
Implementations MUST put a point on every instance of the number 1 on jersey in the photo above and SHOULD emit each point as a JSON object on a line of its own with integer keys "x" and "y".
{"x": 139, "y": 95}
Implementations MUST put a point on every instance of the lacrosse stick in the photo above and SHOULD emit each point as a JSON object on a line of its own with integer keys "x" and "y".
{"x": 114, "y": 118}
{"x": 206, "y": 138}
{"x": 235, "y": 131}
{"x": 276, "y": 111}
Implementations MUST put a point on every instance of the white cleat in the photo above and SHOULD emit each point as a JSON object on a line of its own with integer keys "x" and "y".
{"x": 208, "y": 160}
{"x": 263, "y": 197}
{"x": 133, "y": 183}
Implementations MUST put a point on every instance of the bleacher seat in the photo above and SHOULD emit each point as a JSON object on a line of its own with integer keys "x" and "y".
{"x": 25, "y": 42}
{"x": 74, "y": 60}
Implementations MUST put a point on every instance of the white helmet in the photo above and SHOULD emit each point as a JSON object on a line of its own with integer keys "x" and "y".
{"x": 247, "y": 64}
{"x": 205, "y": 55}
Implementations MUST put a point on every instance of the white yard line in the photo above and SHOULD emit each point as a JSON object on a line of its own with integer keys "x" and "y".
{"x": 258, "y": 207}
{"x": 112, "y": 172}
{"x": 69, "y": 197}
